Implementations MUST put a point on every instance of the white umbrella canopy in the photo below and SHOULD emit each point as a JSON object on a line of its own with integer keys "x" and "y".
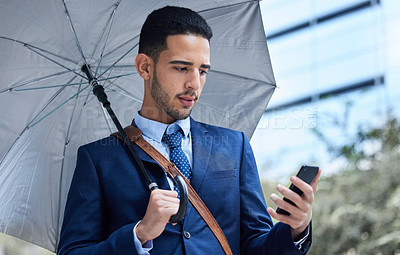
{"x": 48, "y": 109}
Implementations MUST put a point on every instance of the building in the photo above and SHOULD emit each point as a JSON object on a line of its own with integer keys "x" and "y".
{"x": 336, "y": 67}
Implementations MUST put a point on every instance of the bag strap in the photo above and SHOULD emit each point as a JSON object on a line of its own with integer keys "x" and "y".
{"x": 135, "y": 136}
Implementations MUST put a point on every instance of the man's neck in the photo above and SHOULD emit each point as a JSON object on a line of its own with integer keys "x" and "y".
{"x": 156, "y": 115}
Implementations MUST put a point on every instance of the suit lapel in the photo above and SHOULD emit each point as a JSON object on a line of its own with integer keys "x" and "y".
{"x": 201, "y": 151}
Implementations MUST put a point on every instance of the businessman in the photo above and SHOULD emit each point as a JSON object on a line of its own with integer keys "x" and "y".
{"x": 109, "y": 208}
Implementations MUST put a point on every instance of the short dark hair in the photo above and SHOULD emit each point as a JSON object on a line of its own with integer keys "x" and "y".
{"x": 170, "y": 20}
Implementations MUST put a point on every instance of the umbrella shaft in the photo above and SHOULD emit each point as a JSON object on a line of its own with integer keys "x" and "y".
{"x": 98, "y": 91}
{"x": 122, "y": 132}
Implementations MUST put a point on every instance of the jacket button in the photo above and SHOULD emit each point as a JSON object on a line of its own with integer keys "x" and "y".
{"x": 186, "y": 234}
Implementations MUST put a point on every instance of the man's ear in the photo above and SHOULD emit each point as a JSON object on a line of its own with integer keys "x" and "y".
{"x": 144, "y": 66}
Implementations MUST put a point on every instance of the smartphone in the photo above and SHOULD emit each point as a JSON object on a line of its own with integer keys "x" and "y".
{"x": 307, "y": 174}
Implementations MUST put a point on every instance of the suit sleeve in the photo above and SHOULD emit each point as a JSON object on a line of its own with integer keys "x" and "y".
{"x": 85, "y": 215}
{"x": 258, "y": 234}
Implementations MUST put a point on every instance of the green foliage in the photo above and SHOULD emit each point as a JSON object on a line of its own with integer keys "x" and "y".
{"x": 357, "y": 210}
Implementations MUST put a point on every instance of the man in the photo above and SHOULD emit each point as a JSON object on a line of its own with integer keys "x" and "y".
{"x": 109, "y": 208}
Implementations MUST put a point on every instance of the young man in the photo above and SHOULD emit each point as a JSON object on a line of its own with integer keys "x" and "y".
{"x": 109, "y": 208}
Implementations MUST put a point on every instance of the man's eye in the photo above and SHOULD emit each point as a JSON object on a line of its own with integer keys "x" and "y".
{"x": 202, "y": 72}
{"x": 181, "y": 68}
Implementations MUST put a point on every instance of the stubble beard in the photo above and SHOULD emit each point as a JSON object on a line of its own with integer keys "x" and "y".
{"x": 163, "y": 99}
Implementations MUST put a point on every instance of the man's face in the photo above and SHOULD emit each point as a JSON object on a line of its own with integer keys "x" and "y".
{"x": 179, "y": 76}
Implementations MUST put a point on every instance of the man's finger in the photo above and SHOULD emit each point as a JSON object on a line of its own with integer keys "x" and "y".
{"x": 316, "y": 180}
{"x": 169, "y": 193}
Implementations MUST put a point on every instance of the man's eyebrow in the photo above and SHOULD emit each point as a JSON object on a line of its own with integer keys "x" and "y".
{"x": 206, "y": 66}
{"x": 187, "y": 63}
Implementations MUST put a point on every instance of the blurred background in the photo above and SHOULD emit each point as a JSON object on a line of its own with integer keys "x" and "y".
{"x": 336, "y": 106}
{"x": 336, "y": 65}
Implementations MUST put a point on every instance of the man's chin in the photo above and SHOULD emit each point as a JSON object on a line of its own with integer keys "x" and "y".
{"x": 181, "y": 115}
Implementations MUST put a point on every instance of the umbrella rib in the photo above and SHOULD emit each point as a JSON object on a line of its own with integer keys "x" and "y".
{"x": 74, "y": 32}
{"x": 47, "y": 87}
{"x": 84, "y": 103}
{"x": 118, "y": 67}
{"x": 25, "y": 83}
{"x": 111, "y": 83}
{"x": 32, "y": 124}
{"x": 108, "y": 79}
{"x": 93, "y": 96}
{"x": 71, "y": 119}
{"x": 35, "y": 47}
{"x": 105, "y": 114}
{"x": 117, "y": 76}
{"x": 122, "y": 45}
{"x": 124, "y": 92}
{"x": 229, "y": 5}
{"x": 55, "y": 95}
{"x": 63, "y": 157}
{"x": 106, "y": 86}
{"x": 241, "y": 76}
{"x": 119, "y": 59}
{"x": 109, "y": 24}
{"x": 121, "y": 66}
{"x": 54, "y": 61}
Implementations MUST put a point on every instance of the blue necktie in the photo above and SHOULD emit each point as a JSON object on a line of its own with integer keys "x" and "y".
{"x": 178, "y": 157}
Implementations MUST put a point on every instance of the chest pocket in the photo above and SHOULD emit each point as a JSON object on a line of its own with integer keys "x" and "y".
{"x": 220, "y": 174}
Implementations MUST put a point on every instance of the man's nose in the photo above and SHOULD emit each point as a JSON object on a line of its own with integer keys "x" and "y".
{"x": 193, "y": 80}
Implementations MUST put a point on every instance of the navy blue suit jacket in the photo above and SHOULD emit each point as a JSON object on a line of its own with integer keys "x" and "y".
{"x": 108, "y": 196}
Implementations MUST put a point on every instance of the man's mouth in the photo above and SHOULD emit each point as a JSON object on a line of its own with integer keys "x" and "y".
{"x": 187, "y": 98}
{"x": 187, "y": 101}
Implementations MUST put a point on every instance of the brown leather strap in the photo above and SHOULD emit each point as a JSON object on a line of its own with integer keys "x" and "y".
{"x": 135, "y": 135}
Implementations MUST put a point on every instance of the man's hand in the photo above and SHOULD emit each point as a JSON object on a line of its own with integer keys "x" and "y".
{"x": 301, "y": 214}
{"x": 162, "y": 205}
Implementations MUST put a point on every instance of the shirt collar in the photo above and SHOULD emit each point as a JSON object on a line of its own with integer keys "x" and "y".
{"x": 155, "y": 130}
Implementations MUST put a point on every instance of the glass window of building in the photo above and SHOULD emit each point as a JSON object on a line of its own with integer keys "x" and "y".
{"x": 335, "y": 66}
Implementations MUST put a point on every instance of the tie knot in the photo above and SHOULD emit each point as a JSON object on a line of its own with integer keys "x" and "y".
{"x": 173, "y": 140}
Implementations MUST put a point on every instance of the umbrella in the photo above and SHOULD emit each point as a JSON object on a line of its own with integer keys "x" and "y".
{"x": 48, "y": 109}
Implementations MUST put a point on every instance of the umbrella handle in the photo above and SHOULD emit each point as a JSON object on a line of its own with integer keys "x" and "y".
{"x": 183, "y": 202}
